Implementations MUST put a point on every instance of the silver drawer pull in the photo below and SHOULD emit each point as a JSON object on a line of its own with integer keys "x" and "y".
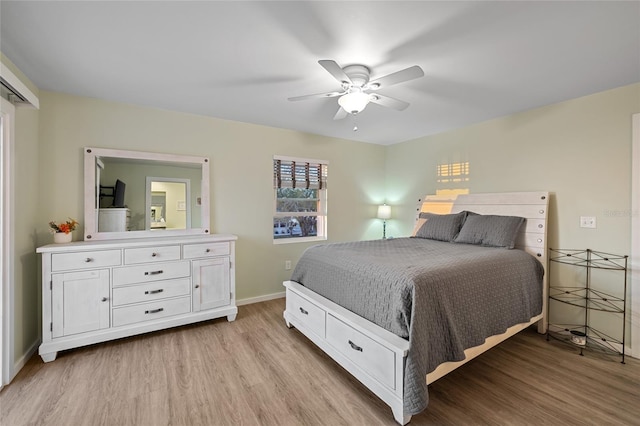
{"x": 154, "y": 311}
{"x": 160, "y": 290}
{"x": 355, "y": 347}
{"x": 154, "y": 254}
{"x": 154, "y": 272}
{"x": 304, "y": 312}
{"x": 88, "y": 259}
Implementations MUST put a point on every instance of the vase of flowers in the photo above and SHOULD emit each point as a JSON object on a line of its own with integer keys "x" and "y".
{"x": 62, "y": 231}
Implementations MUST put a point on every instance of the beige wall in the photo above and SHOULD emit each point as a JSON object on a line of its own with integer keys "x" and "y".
{"x": 579, "y": 150}
{"x": 241, "y": 174}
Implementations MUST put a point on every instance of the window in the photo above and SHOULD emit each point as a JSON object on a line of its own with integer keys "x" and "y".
{"x": 300, "y": 199}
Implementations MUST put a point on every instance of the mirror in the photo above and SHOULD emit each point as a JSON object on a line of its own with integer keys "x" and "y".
{"x": 131, "y": 194}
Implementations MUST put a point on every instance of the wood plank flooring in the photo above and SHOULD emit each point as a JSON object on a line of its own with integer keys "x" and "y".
{"x": 255, "y": 371}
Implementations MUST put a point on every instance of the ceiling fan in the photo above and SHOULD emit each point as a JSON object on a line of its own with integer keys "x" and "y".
{"x": 356, "y": 88}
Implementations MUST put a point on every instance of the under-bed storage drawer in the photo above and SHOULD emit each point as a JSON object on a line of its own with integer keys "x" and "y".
{"x": 375, "y": 359}
{"x": 132, "y": 314}
{"x": 310, "y": 315}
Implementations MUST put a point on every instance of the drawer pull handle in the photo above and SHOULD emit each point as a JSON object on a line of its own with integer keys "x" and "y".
{"x": 207, "y": 251}
{"x": 154, "y": 272}
{"x": 88, "y": 259}
{"x": 304, "y": 311}
{"x": 355, "y": 347}
{"x": 154, "y": 311}
{"x": 197, "y": 286}
{"x": 160, "y": 290}
{"x": 104, "y": 299}
{"x": 154, "y": 254}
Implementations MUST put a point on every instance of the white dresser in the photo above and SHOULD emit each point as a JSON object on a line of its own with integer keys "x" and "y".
{"x": 114, "y": 219}
{"x": 103, "y": 290}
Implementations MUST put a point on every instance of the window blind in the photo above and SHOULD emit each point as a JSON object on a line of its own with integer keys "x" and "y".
{"x": 289, "y": 173}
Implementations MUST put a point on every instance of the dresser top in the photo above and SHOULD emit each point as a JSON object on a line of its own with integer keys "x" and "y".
{"x": 135, "y": 242}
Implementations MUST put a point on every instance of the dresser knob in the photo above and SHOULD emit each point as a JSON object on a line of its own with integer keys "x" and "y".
{"x": 197, "y": 286}
{"x": 104, "y": 299}
{"x": 207, "y": 251}
{"x": 541, "y": 211}
{"x": 88, "y": 259}
{"x": 154, "y": 254}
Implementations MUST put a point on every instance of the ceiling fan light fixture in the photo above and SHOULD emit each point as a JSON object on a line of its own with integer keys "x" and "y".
{"x": 354, "y": 102}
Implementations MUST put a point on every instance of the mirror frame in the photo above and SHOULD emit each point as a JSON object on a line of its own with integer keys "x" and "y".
{"x": 91, "y": 156}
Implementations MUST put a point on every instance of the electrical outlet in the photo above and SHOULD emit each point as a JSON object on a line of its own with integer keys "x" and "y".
{"x": 587, "y": 221}
{"x": 287, "y": 265}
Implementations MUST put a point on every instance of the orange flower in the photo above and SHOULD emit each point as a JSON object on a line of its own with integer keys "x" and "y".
{"x": 65, "y": 227}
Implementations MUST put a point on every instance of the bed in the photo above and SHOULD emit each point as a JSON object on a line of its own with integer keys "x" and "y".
{"x": 392, "y": 312}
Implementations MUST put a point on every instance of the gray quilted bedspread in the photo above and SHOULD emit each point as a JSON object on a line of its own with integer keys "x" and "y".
{"x": 443, "y": 297}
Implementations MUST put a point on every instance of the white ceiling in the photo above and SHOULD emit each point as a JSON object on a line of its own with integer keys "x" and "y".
{"x": 242, "y": 60}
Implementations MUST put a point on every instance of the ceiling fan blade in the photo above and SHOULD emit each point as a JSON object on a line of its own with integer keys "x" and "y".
{"x": 397, "y": 77}
{"x": 335, "y": 70}
{"x": 342, "y": 113}
{"x": 388, "y": 102}
{"x": 317, "y": 95}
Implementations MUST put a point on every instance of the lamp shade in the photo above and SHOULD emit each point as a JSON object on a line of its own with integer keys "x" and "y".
{"x": 353, "y": 102}
{"x": 384, "y": 212}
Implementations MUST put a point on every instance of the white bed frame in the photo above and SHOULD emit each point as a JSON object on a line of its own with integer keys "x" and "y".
{"x": 374, "y": 355}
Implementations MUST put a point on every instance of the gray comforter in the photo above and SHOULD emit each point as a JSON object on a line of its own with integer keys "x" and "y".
{"x": 443, "y": 297}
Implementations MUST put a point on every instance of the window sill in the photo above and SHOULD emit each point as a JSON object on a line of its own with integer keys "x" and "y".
{"x": 298, "y": 240}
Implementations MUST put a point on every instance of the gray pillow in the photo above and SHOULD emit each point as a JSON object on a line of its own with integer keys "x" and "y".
{"x": 490, "y": 230}
{"x": 441, "y": 227}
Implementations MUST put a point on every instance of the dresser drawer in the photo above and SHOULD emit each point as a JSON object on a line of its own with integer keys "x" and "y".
{"x": 133, "y": 314}
{"x": 85, "y": 260}
{"x": 150, "y": 272}
{"x": 192, "y": 251}
{"x": 372, "y": 357}
{"x": 310, "y": 315}
{"x": 151, "y": 291}
{"x": 151, "y": 254}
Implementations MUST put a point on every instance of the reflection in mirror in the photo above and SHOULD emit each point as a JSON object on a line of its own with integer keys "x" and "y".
{"x": 120, "y": 200}
{"x": 168, "y": 204}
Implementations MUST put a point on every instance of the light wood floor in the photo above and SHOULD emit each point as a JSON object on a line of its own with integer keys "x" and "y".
{"x": 255, "y": 371}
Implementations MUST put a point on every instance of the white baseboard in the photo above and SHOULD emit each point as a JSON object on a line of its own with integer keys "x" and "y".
{"x": 250, "y": 300}
{"x": 17, "y": 366}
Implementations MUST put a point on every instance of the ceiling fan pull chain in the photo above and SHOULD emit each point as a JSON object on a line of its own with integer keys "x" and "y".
{"x": 355, "y": 122}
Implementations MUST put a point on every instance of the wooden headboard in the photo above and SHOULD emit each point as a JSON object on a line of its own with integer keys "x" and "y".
{"x": 533, "y": 206}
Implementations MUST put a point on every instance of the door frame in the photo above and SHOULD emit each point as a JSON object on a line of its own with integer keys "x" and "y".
{"x": 7, "y": 111}
{"x": 634, "y": 292}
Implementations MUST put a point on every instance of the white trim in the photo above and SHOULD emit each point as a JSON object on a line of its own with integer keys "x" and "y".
{"x": 258, "y": 299}
{"x": 7, "y": 253}
{"x": 17, "y": 366}
{"x": 15, "y": 82}
{"x": 633, "y": 349}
